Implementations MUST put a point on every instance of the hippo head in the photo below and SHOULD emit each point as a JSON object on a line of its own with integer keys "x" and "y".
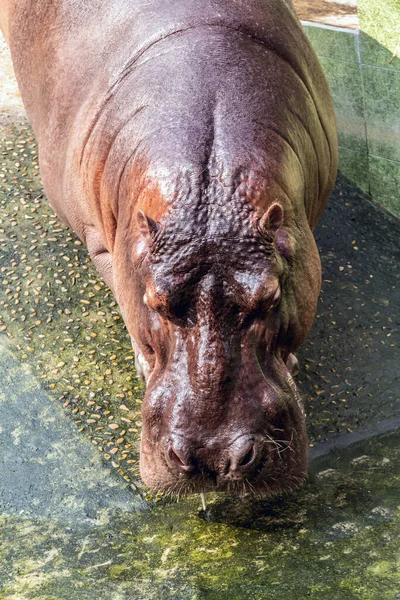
{"x": 216, "y": 299}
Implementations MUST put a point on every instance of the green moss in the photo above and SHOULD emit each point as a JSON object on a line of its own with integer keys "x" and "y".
{"x": 380, "y": 37}
{"x": 338, "y": 537}
{"x": 118, "y": 571}
{"x": 384, "y": 569}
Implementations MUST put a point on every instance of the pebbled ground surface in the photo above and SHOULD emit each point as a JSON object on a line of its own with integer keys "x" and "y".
{"x": 350, "y": 376}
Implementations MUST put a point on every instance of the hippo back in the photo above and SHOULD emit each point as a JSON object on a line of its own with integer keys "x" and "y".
{"x": 71, "y": 58}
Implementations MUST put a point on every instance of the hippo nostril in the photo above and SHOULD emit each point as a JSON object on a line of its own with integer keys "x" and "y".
{"x": 179, "y": 459}
{"x": 241, "y": 460}
{"x": 248, "y": 458}
{"x": 242, "y": 455}
{"x": 175, "y": 458}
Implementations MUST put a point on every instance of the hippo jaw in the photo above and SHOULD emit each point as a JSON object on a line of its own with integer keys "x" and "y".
{"x": 238, "y": 428}
{"x": 262, "y": 450}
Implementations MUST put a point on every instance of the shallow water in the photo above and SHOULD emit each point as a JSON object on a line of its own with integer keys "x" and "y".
{"x": 335, "y": 538}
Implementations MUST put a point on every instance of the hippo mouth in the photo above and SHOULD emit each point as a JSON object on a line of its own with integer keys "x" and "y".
{"x": 282, "y": 468}
{"x": 264, "y": 464}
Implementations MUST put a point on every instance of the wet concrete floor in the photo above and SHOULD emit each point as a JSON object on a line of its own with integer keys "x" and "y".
{"x": 74, "y": 520}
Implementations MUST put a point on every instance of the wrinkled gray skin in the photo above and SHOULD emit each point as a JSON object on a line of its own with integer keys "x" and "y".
{"x": 192, "y": 147}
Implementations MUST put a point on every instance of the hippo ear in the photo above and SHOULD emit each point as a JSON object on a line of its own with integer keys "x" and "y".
{"x": 147, "y": 227}
{"x": 272, "y": 219}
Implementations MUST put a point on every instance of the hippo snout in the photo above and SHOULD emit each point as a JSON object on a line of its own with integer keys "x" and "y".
{"x": 262, "y": 451}
{"x": 245, "y": 436}
{"x": 239, "y": 459}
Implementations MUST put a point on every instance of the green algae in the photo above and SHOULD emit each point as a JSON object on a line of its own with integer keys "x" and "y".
{"x": 338, "y": 537}
{"x": 47, "y": 468}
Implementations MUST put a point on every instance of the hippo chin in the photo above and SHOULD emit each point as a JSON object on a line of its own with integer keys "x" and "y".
{"x": 192, "y": 147}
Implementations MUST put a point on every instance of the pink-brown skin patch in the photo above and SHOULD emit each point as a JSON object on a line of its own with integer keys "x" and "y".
{"x": 192, "y": 147}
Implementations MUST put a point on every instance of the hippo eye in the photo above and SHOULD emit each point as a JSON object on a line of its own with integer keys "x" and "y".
{"x": 267, "y": 304}
{"x": 180, "y": 309}
{"x": 180, "y": 306}
{"x": 153, "y": 301}
{"x": 175, "y": 307}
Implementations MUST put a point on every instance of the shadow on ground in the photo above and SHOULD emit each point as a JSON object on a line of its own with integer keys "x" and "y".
{"x": 350, "y": 376}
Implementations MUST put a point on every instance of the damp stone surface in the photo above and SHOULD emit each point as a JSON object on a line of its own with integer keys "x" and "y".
{"x": 335, "y": 538}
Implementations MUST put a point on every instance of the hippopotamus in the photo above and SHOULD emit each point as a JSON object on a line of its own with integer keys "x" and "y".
{"x": 192, "y": 147}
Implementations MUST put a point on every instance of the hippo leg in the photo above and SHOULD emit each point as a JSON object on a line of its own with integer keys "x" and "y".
{"x": 141, "y": 365}
{"x": 100, "y": 256}
{"x": 292, "y": 365}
